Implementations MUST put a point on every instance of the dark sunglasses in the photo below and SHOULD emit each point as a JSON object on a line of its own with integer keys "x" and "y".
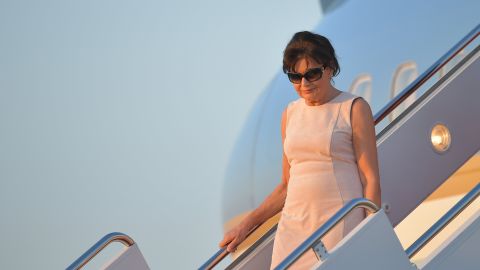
{"x": 311, "y": 75}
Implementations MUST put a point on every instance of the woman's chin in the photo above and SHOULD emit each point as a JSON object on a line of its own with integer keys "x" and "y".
{"x": 307, "y": 96}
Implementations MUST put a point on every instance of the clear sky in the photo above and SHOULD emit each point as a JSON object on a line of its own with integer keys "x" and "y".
{"x": 121, "y": 116}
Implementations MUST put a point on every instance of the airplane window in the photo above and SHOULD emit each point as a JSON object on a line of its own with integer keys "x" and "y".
{"x": 362, "y": 86}
{"x": 404, "y": 74}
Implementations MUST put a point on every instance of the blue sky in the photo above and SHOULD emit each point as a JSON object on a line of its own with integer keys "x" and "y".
{"x": 121, "y": 116}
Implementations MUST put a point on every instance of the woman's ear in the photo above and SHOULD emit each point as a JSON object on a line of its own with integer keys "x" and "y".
{"x": 329, "y": 72}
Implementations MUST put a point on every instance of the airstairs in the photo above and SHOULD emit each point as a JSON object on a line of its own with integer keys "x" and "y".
{"x": 418, "y": 151}
{"x": 411, "y": 168}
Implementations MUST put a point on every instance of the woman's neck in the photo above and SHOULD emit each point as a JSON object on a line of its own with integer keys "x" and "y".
{"x": 328, "y": 96}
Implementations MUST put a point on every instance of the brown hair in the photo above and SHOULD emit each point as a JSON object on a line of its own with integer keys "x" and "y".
{"x": 310, "y": 45}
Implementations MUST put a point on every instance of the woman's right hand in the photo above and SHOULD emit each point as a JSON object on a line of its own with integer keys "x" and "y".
{"x": 235, "y": 236}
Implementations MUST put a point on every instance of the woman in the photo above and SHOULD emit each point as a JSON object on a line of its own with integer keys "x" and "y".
{"x": 329, "y": 158}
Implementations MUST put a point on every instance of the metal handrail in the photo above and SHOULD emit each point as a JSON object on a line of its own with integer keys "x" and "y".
{"x": 215, "y": 259}
{"x": 252, "y": 248}
{"x": 417, "y": 83}
{"x": 221, "y": 254}
{"x": 99, "y": 246}
{"x": 315, "y": 238}
{"x": 443, "y": 221}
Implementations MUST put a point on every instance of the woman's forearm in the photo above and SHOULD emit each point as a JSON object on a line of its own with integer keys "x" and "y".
{"x": 373, "y": 193}
{"x": 270, "y": 206}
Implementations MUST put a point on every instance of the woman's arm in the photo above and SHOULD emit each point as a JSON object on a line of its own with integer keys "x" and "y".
{"x": 269, "y": 207}
{"x": 275, "y": 201}
{"x": 365, "y": 146}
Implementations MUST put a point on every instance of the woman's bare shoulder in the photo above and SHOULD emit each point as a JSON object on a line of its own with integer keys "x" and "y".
{"x": 361, "y": 116}
{"x": 360, "y": 107}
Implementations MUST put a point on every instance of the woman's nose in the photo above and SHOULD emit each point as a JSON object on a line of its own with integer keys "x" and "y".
{"x": 304, "y": 82}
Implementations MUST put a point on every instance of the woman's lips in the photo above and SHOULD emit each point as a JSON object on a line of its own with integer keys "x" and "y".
{"x": 308, "y": 90}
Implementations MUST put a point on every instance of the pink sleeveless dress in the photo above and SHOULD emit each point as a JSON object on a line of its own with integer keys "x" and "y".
{"x": 323, "y": 176}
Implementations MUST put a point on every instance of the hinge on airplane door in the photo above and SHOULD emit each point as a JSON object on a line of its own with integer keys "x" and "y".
{"x": 320, "y": 251}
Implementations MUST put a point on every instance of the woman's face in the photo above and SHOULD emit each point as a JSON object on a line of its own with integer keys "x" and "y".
{"x": 316, "y": 90}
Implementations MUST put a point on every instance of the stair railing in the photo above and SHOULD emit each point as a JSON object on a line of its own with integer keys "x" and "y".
{"x": 99, "y": 246}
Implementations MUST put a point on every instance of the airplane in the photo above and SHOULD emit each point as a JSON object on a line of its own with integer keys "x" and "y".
{"x": 406, "y": 57}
